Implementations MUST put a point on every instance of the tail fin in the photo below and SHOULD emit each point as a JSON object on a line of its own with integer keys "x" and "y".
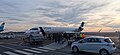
{"x": 81, "y": 26}
{"x": 43, "y": 32}
{"x": 100, "y": 30}
{"x": 3, "y": 24}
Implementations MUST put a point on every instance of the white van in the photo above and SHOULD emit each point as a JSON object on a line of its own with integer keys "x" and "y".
{"x": 34, "y": 35}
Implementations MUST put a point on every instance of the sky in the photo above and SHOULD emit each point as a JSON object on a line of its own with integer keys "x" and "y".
{"x": 21, "y": 15}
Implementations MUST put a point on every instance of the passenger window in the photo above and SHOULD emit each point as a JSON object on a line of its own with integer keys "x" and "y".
{"x": 34, "y": 29}
{"x": 93, "y": 40}
{"x": 82, "y": 41}
{"x": 97, "y": 40}
{"x": 87, "y": 40}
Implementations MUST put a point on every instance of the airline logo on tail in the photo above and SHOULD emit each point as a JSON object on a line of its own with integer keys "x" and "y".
{"x": 81, "y": 26}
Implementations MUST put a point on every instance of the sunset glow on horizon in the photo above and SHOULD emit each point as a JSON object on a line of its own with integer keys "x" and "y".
{"x": 20, "y": 15}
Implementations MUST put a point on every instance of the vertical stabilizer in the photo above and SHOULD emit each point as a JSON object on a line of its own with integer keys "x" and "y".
{"x": 81, "y": 26}
{"x": 43, "y": 32}
{"x": 3, "y": 24}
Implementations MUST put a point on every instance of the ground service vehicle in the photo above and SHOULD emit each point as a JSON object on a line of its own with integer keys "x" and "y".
{"x": 34, "y": 35}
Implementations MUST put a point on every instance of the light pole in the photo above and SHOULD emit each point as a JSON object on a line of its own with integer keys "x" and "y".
{"x": 119, "y": 37}
{"x": 118, "y": 33}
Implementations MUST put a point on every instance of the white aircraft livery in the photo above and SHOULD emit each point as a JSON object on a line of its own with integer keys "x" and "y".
{"x": 45, "y": 30}
{"x": 63, "y": 29}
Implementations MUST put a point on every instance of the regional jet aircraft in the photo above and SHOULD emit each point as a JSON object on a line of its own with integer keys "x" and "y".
{"x": 60, "y": 29}
{"x": 56, "y": 29}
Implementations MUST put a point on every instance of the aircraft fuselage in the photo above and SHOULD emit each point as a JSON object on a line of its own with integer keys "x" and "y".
{"x": 58, "y": 29}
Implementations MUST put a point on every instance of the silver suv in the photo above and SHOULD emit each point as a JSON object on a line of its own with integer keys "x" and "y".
{"x": 95, "y": 44}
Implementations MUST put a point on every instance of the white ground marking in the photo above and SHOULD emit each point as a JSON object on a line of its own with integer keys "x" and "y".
{"x": 46, "y": 48}
{"x": 32, "y": 51}
{"x": 23, "y": 52}
{"x": 40, "y": 49}
{"x": 10, "y": 53}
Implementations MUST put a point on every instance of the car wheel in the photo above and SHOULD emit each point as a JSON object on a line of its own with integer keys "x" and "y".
{"x": 104, "y": 52}
{"x": 75, "y": 49}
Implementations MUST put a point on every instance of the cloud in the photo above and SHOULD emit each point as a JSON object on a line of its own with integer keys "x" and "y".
{"x": 76, "y": 13}
{"x": 94, "y": 13}
{"x": 115, "y": 23}
{"x": 99, "y": 22}
{"x": 118, "y": 9}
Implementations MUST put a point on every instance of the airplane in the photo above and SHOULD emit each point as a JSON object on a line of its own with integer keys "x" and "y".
{"x": 61, "y": 29}
{"x": 2, "y": 27}
{"x": 100, "y": 30}
{"x": 45, "y": 30}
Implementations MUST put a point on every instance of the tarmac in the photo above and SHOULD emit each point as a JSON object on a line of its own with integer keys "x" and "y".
{"x": 48, "y": 47}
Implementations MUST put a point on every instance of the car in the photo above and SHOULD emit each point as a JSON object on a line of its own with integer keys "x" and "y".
{"x": 7, "y": 36}
{"x": 34, "y": 35}
{"x": 32, "y": 30}
{"x": 95, "y": 44}
{"x": 73, "y": 40}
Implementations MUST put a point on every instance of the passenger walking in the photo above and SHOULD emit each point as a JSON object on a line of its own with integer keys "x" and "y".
{"x": 55, "y": 38}
{"x": 58, "y": 38}
{"x": 65, "y": 36}
{"x": 61, "y": 39}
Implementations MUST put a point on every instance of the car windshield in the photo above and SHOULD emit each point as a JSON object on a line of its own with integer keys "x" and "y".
{"x": 34, "y": 29}
{"x": 82, "y": 41}
{"x": 108, "y": 40}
